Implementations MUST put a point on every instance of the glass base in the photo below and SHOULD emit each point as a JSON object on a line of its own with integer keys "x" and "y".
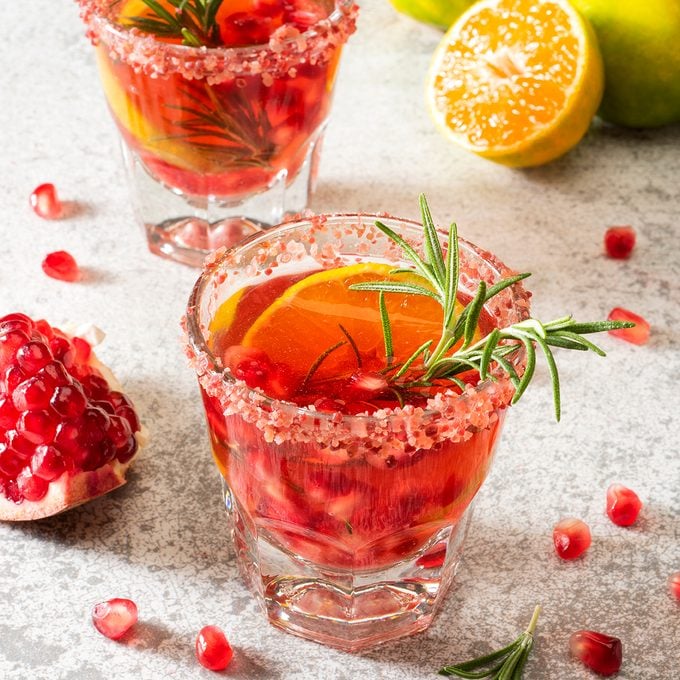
{"x": 347, "y": 609}
{"x": 186, "y": 228}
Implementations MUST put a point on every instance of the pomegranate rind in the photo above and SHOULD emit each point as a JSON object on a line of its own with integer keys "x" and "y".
{"x": 66, "y": 492}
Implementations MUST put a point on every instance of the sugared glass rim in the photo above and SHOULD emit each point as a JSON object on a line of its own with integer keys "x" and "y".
{"x": 144, "y": 52}
{"x": 489, "y": 395}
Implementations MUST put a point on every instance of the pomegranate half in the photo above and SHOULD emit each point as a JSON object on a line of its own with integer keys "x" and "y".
{"x": 67, "y": 433}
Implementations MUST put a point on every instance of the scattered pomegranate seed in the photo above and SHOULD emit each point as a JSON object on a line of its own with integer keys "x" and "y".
{"x": 115, "y": 617}
{"x": 623, "y": 505}
{"x": 571, "y": 537}
{"x": 598, "y": 651}
{"x": 45, "y": 202}
{"x": 213, "y": 651}
{"x": 61, "y": 265}
{"x": 674, "y": 585}
{"x": 619, "y": 242}
{"x": 638, "y": 335}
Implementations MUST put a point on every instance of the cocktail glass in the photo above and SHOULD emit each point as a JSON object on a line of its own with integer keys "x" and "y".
{"x": 218, "y": 142}
{"x": 348, "y": 529}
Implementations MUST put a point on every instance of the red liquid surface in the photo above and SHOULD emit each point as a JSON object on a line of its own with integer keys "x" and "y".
{"x": 234, "y": 137}
{"x": 346, "y": 509}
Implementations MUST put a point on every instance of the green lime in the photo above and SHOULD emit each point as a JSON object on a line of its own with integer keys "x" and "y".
{"x": 441, "y": 13}
{"x": 640, "y": 45}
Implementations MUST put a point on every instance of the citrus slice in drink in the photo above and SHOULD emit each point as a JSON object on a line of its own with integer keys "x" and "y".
{"x": 516, "y": 81}
{"x": 326, "y": 312}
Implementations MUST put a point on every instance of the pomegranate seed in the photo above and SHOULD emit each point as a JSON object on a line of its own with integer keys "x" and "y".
{"x": 10, "y": 341}
{"x": 115, "y": 617}
{"x": 32, "y": 356}
{"x": 213, "y": 651}
{"x": 32, "y": 487}
{"x": 638, "y": 335}
{"x": 598, "y": 651}
{"x": 674, "y": 585}
{"x": 47, "y": 463}
{"x": 623, "y": 505}
{"x": 38, "y": 427}
{"x": 63, "y": 350}
{"x": 129, "y": 414}
{"x": 619, "y": 242}
{"x": 16, "y": 321}
{"x": 69, "y": 401}
{"x": 95, "y": 386}
{"x": 8, "y": 414}
{"x": 571, "y": 537}
{"x": 434, "y": 558}
{"x": 11, "y": 463}
{"x": 83, "y": 349}
{"x": 32, "y": 394}
{"x": 364, "y": 386}
{"x": 61, "y": 265}
{"x": 248, "y": 364}
{"x": 46, "y": 203}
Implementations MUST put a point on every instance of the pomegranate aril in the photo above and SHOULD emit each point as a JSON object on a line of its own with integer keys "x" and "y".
{"x": 18, "y": 443}
{"x": 364, "y": 386}
{"x": 603, "y": 653}
{"x": 130, "y": 415}
{"x": 63, "y": 350}
{"x": 54, "y": 374}
{"x": 623, "y": 505}
{"x": 8, "y": 414}
{"x": 115, "y": 617}
{"x": 11, "y": 463}
{"x": 213, "y": 651}
{"x": 571, "y": 537}
{"x": 126, "y": 451}
{"x": 83, "y": 349}
{"x": 61, "y": 265}
{"x": 68, "y": 401}
{"x": 619, "y": 242}
{"x": 32, "y": 356}
{"x": 13, "y": 377}
{"x": 32, "y": 394}
{"x": 32, "y": 487}
{"x": 638, "y": 334}
{"x": 10, "y": 342}
{"x": 45, "y": 202}
{"x": 16, "y": 321}
{"x": 47, "y": 463}
{"x": 95, "y": 386}
{"x": 674, "y": 585}
{"x": 38, "y": 427}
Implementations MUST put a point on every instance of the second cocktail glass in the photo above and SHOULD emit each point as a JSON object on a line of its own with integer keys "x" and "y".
{"x": 348, "y": 512}
{"x": 220, "y": 140}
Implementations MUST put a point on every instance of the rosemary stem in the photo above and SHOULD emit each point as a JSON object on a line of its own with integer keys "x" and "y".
{"x": 534, "y": 620}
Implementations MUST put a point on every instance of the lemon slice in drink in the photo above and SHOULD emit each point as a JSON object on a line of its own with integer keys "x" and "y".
{"x": 516, "y": 81}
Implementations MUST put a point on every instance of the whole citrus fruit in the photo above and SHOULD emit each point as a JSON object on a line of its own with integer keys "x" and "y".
{"x": 516, "y": 81}
{"x": 640, "y": 44}
{"x": 441, "y": 13}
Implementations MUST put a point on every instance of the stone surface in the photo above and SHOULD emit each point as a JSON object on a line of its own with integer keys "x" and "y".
{"x": 160, "y": 539}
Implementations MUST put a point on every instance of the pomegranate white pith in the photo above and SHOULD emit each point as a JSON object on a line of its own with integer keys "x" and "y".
{"x": 67, "y": 432}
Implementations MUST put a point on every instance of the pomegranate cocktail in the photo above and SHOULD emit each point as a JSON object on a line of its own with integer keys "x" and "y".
{"x": 355, "y": 374}
{"x": 220, "y": 100}
{"x": 347, "y": 476}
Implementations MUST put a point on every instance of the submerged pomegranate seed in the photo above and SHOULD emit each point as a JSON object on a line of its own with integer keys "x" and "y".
{"x": 115, "y": 617}
{"x": 619, "y": 242}
{"x": 638, "y": 335}
{"x": 674, "y": 585}
{"x": 61, "y": 265}
{"x": 46, "y": 203}
{"x": 571, "y": 537}
{"x": 213, "y": 651}
{"x": 365, "y": 386}
{"x": 598, "y": 651}
{"x": 623, "y": 505}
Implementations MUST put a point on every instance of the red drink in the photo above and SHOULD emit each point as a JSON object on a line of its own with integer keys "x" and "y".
{"x": 348, "y": 501}
{"x": 221, "y": 123}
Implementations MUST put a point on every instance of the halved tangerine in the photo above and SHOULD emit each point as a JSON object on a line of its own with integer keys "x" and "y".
{"x": 516, "y": 81}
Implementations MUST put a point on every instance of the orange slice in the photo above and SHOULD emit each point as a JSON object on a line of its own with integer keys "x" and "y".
{"x": 516, "y": 81}
{"x": 305, "y": 321}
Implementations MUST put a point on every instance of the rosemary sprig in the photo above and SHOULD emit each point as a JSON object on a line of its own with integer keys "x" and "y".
{"x": 440, "y": 275}
{"x": 194, "y": 22}
{"x": 505, "y": 664}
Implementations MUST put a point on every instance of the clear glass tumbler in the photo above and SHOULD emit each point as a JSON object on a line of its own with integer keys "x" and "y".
{"x": 218, "y": 142}
{"x": 347, "y": 528}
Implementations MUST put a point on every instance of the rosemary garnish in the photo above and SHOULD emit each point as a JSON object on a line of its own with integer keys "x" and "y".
{"x": 437, "y": 360}
{"x": 505, "y": 664}
{"x": 194, "y": 22}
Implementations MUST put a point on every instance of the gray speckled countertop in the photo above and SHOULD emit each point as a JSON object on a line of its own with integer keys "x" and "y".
{"x": 161, "y": 539}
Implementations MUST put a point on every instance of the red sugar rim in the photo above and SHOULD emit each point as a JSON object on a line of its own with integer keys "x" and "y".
{"x": 286, "y": 49}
